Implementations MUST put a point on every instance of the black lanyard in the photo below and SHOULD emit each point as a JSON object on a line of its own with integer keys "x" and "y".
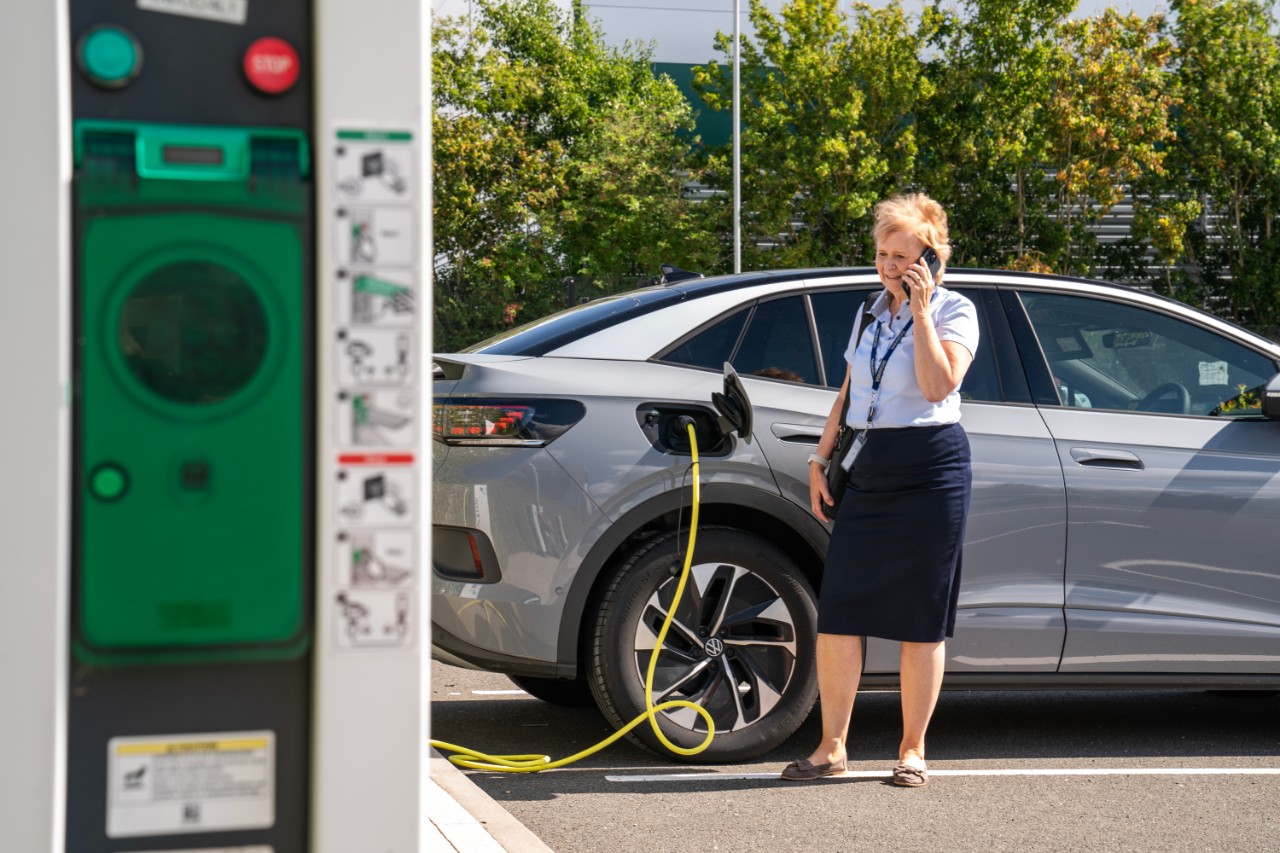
{"x": 877, "y": 372}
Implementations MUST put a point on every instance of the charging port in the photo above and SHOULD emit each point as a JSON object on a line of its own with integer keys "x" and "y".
{"x": 664, "y": 425}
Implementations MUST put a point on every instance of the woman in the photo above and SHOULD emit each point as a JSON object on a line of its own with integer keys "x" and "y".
{"x": 893, "y": 565}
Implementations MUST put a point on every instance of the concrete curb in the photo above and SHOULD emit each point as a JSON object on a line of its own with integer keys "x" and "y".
{"x": 509, "y": 833}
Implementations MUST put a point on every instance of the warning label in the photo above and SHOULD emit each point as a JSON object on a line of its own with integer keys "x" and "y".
{"x": 190, "y": 783}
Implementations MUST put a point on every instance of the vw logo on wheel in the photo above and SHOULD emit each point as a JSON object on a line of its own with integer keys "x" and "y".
{"x": 714, "y": 647}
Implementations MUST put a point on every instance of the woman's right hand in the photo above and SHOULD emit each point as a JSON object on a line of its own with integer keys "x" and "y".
{"x": 819, "y": 495}
{"x": 820, "y": 500}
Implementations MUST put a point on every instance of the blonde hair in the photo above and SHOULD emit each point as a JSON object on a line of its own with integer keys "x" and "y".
{"x": 916, "y": 214}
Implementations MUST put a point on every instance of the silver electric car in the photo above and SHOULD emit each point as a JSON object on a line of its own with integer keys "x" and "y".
{"x": 1126, "y": 487}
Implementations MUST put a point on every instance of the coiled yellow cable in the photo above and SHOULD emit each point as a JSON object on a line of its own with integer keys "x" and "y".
{"x": 529, "y": 763}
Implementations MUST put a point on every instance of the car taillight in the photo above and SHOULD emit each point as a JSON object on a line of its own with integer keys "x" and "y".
{"x": 496, "y": 422}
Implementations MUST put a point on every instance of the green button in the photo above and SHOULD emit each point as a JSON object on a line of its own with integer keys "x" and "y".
{"x": 110, "y": 56}
{"x": 108, "y": 482}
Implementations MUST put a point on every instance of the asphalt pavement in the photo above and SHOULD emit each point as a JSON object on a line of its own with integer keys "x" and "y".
{"x": 1026, "y": 771}
{"x": 462, "y": 817}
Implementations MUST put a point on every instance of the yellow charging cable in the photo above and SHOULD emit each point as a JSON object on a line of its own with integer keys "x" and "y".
{"x": 477, "y": 760}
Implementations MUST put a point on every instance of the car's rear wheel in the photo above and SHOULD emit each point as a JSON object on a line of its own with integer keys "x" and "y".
{"x": 569, "y": 692}
{"x": 741, "y": 644}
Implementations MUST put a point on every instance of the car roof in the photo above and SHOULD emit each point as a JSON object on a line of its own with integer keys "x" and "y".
{"x": 556, "y": 331}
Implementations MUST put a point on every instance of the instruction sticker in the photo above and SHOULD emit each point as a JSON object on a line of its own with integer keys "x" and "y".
{"x": 190, "y": 783}
{"x": 1213, "y": 373}
{"x": 375, "y": 357}
{"x": 369, "y": 618}
{"x": 375, "y": 235}
{"x": 374, "y": 171}
{"x": 376, "y": 496}
{"x": 377, "y": 418}
{"x": 376, "y": 297}
{"x": 375, "y": 558}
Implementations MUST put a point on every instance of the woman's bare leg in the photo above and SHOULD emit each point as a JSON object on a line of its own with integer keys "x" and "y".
{"x": 921, "y": 669}
{"x": 839, "y": 670}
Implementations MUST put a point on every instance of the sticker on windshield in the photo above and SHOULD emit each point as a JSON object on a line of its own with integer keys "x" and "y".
{"x": 1213, "y": 373}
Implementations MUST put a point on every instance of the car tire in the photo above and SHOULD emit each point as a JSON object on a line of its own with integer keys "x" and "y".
{"x": 566, "y": 692}
{"x": 743, "y": 591}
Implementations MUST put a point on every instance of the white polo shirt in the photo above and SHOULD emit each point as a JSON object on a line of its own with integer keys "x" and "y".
{"x": 901, "y": 403}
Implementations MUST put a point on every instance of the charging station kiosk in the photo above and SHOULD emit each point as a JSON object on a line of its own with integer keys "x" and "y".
{"x": 217, "y": 224}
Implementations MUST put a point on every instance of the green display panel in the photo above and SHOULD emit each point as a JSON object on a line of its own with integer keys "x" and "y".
{"x": 194, "y": 395}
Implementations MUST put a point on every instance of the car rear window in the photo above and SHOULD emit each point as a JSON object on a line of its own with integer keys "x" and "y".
{"x": 542, "y": 336}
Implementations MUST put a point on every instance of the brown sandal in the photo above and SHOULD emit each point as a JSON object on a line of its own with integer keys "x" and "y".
{"x": 804, "y": 770}
{"x": 910, "y": 776}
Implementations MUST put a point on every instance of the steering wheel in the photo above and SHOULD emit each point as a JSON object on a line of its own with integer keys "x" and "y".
{"x": 1182, "y": 399}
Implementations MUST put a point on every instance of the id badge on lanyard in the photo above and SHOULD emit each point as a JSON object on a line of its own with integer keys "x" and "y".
{"x": 859, "y": 439}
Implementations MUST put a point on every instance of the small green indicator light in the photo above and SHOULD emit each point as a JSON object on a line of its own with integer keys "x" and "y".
{"x": 108, "y": 483}
{"x": 109, "y": 56}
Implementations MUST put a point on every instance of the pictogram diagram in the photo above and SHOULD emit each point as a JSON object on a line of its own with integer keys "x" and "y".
{"x": 377, "y": 418}
{"x": 376, "y": 558}
{"x": 375, "y": 398}
{"x": 375, "y": 496}
{"x": 369, "y": 617}
{"x": 374, "y": 357}
{"x": 373, "y": 172}
{"x": 374, "y": 235}
{"x": 380, "y": 297}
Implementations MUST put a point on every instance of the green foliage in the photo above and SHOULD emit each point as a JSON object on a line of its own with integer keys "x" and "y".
{"x": 827, "y": 122}
{"x": 556, "y": 158}
{"x": 1108, "y": 122}
{"x": 1228, "y": 71}
{"x": 986, "y": 141}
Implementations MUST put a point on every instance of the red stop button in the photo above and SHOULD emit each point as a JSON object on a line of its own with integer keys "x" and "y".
{"x": 271, "y": 64}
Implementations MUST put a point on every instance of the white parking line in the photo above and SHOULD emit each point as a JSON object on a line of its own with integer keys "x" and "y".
{"x": 1050, "y": 771}
{"x": 498, "y": 692}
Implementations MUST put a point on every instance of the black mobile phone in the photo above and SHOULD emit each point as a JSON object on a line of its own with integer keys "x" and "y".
{"x": 932, "y": 261}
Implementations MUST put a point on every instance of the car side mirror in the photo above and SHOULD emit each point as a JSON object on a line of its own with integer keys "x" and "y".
{"x": 1271, "y": 399}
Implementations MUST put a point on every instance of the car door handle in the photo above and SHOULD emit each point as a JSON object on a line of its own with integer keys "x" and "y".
{"x": 796, "y": 433}
{"x": 1106, "y": 458}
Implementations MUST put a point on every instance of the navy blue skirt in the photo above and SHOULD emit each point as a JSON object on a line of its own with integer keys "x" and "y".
{"x": 893, "y": 565}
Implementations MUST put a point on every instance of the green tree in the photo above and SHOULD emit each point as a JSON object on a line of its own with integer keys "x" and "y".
{"x": 556, "y": 158}
{"x": 1228, "y": 70}
{"x": 827, "y": 129}
{"x": 1108, "y": 120}
{"x": 984, "y": 141}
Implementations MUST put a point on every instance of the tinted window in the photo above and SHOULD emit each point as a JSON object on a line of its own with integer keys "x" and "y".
{"x": 1109, "y": 355}
{"x": 982, "y": 381}
{"x": 713, "y": 346}
{"x": 836, "y": 315}
{"x": 542, "y": 336}
{"x": 778, "y": 343}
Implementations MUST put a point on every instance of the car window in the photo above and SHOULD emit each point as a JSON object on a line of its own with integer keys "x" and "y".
{"x": 835, "y": 315}
{"x": 711, "y": 347}
{"x": 778, "y": 343}
{"x": 982, "y": 381}
{"x": 1108, "y": 355}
